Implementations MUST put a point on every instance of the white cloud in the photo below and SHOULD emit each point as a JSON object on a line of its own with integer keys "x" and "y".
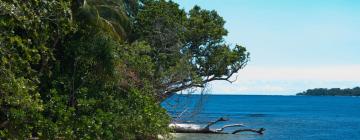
{"x": 289, "y": 80}
{"x": 332, "y": 73}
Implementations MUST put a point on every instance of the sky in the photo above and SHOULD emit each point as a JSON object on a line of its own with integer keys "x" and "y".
{"x": 294, "y": 45}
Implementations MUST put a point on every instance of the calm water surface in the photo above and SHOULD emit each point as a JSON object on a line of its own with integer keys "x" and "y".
{"x": 283, "y": 117}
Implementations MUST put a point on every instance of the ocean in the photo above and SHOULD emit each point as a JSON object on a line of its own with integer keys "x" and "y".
{"x": 283, "y": 117}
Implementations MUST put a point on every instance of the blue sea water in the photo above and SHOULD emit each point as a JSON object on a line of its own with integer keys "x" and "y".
{"x": 283, "y": 117}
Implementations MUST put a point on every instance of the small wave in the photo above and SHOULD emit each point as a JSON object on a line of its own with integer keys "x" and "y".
{"x": 257, "y": 115}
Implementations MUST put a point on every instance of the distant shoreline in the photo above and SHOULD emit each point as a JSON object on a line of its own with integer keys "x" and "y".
{"x": 295, "y": 95}
{"x": 219, "y": 94}
{"x": 331, "y": 92}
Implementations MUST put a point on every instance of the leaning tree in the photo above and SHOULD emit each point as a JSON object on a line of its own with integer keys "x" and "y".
{"x": 188, "y": 49}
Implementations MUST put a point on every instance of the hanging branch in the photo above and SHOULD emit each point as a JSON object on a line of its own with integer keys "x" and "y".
{"x": 214, "y": 122}
{"x": 231, "y": 125}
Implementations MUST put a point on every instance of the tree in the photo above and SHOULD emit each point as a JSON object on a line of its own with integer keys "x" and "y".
{"x": 61, "y": 73}
{"x": 30, "y": 31}
{"x": 187, "y": 128}
{"x": 98, "y": 69}
{"x": 331, "y": 92}
{"x": 113, "y": 16}
{"x": 188, "y": 48}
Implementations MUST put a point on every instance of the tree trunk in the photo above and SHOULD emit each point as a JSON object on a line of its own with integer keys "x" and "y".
{"x": 191, "y": 128}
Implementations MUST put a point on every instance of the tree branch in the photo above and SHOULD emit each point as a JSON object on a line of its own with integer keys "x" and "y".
{"x": 214, "y": 122}
{"x": 182, "y": 84}
{"x": 260, "y": 131}
{"x": 170, "y": 92}
{"x": 193, "y": 128}
{"x": 3, "y": 124}
{"x": 227, "y": 126}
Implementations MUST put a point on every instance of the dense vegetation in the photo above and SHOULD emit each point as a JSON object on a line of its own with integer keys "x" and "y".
{"x": 76, "y": 69}
{"x": 332, "y": 92}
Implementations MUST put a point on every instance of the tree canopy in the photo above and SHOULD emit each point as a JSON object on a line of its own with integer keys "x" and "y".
{"x": 331, "y": 92}
{"x": 188, "y": 49}
{"x": 88, "y": 69}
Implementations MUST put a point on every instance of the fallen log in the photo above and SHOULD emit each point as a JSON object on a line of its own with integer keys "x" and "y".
{"x": 192, "y": 128}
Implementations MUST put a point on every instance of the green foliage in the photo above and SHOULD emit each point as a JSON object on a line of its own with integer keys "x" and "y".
{"x": 29, "y": 32}
{"x": 188, "y": 49}
{"x": 331, "y": 92}
{"x": 59, "y": 76}
{"x": 98, "y": 69}
{"x": 204, "y": 27}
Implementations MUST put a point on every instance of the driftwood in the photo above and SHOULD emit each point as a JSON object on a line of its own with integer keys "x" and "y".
{"x": 191, "y": 128}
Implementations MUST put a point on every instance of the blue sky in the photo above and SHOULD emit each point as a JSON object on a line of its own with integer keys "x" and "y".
{"x": 294, "y": 44}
